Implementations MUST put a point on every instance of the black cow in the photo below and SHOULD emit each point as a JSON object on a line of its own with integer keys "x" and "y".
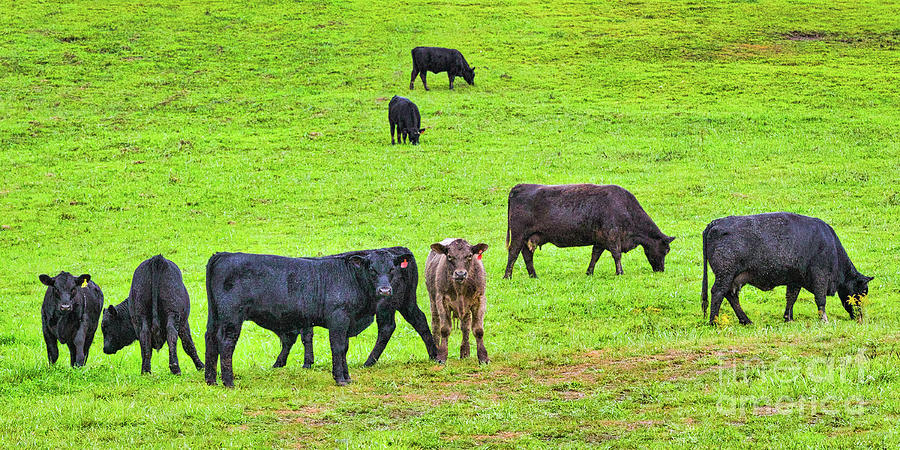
{"x": 778, "y": 249}
{"x": 285, "y": 295}
{"x": 403, "y": 300}
{"x": 438, "y": 59}
{"x": 155, "y": 312}
{"x": 404, "y": 115}
{"x": 69, "y": 314}
{"x": 606, "y": 217}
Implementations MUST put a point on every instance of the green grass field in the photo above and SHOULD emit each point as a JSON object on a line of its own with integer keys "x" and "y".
{"x": 184, "y": 128}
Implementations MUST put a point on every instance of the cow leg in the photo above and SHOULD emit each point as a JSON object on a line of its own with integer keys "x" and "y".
{"x": 718, "y": 294}
{"x": 187, "y": 343}
{"x": 478, "y": 331}
{"x": 146, "y": 346}
{"x": 416, "y": 318}
{"x": 528, "y": 257}
{"x": 819, "y": 293}
{"x": 393, "y": 125}
{"x": 793, "y": 291}
{"x": 172, "y": 341}
{"x": 212, "y": 349}
{"x": 451, "y": 76}
{"x": 443, "y": 331}
{"x": 465, "y": 324}
{"x": 617, "y": 257}
{"x": 228, "y": 337}
{"x": 88, "y": 340}
{"x": 596, "y": 251}
{"x": 71, "y": 354}
{"x": 339, "y": 340}
{"x": 735, "y": 302}
{"x": 515, "y": 246}
{"x": 424, "y": 83}
{"x": 80, "y": 336}
{"x": 384, "y": 317}
{"x": 412, "y": 79}
{"x": 287, "y": 341}
{"x": 306, "y": 335}
{"x": 52, "y": 347}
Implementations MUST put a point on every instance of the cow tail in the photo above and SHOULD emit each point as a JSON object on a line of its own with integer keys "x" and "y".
{"x": 507, "y": 223}
{"x": 156, "y": 266}
{"x": 704, "y": 296}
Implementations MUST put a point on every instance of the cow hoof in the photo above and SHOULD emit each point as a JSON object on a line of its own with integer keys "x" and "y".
{"x": 145, "y": 372}
{"x": 441, "y": 361}
{"x": 342, "y": 382}
{"x": 211, "y": 382}
{"x": 175, "y": 371}
{"x": 307, "y": 365}
{"x": 278, "y": 364}
{"x": 749, "y": 322}
{"x": 484, "y": 361}
{"x": 369, "y": 364}
{"x": 200, "y": 366}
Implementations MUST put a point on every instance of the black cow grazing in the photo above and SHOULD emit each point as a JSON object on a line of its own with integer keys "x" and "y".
{"x": 285, "y": 295}
{"x": 155, "y": 312}
{"x": 69, "y": 314}
{"x": 404, "y": 115}
{"x": 438, "y": 59}
{"x": 403, "y": 299}
{"x": 778, "y": 249}
{"x": 571, "y": 215}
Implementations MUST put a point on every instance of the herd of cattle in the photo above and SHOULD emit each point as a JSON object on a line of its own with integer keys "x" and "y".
{"x": 346, "y": 292}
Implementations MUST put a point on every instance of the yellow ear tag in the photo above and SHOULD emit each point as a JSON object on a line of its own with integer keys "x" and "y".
{"x": 84, "y": 285}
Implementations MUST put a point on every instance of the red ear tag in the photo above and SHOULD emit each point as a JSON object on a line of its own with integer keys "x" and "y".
{"x": 479, "y": 256}
{"x": 404, "y": 264}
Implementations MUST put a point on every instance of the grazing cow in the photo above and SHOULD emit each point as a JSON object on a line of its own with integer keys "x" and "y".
{"x": 571, "y": 215}
{"x": 455, "y": 278}
{"x": 155, "y": 312}
{"x": 69, "y": 314}
{"x": 778, "y": 249}
{"x": 438, "y": 59}
{"x": 285, "y": 295}
{"x": 403, "y": 299}
{"x": 404, "y": 115}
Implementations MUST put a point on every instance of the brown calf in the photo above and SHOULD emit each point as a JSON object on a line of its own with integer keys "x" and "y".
{"x": 455, "y": 278}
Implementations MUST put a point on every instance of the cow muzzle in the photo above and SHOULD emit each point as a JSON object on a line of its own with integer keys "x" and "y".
{"x": 65, "y": 308}
{"x": 385, "y": 291}
{"x": 460, "y": 275}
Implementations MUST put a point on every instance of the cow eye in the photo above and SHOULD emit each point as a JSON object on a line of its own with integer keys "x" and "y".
{"x": 469, "y": 258}
{"x": 450, "y": 258}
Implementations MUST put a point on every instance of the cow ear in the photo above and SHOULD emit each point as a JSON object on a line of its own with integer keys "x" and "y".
{"x": 670, "y": 239}
{"x": 472, "y": 68}
{"x": 82, "y": 279}
{"x": 439, "y": 248}
{"x": 111, "y": 311}
{"x": 403, "y": 260}
{"x": 867, "y": 279}
{"x": 479, "y": 249}
{"x": 421, "y": 130}
{"x": 358, "y": 261}
{"x": 46, "y": 279}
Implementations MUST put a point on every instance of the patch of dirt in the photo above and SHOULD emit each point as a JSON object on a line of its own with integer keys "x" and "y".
{"x": 766, "y": 411}
{"x": 804, "y": 36}
{"x": 501, "y": 436}
{"x": 433, "y": 400}
{"x": 630, "y": 426}
{"x": 307, "y": 415}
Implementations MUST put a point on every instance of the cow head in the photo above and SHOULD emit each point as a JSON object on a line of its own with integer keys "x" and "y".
{"x": 414, "y": 134}
{"x": 656, "y": 251}
{"x": 461, "y": 257}
{"x": 469, "y": 76}
{"x": 63, "y": 289}
{"x": 382, "y": 270}
{"x": 853, "y": 293}
{"x": 117, "y": 329}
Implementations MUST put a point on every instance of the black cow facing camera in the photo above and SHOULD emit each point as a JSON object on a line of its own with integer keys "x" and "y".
{"x": 438, "y": 59}
{"x": 69, "y": 315}
{"x": 404, "y": 116}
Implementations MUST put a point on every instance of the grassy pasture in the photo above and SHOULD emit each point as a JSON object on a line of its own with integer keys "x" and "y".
{"x": 129, "y": 129}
